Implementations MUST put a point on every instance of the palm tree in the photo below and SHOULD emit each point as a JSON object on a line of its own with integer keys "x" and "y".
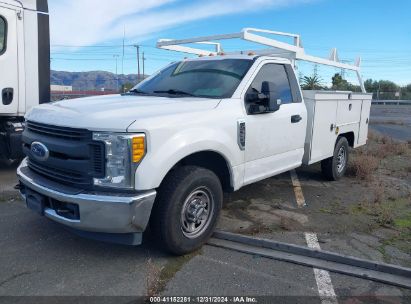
{"x": 311, "y": 82}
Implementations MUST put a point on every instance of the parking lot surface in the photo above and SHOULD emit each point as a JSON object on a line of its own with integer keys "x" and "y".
{"x": 7, "y": 180}
{"x": 394, "y": 121}
{"x": 41, "y": 258}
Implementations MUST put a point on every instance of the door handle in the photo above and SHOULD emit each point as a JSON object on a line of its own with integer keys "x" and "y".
{"x": 7, "y": 96}
{"x": 296, "y": 118}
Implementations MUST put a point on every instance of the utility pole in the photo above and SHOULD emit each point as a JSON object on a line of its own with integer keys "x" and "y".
{"x": 122, "y": 58}
{"x": 144, "y": 59}
{"x": 379, "y": 89}
{"x": 342, "y": 69}
{"x": 138, "y": 62}
{"x": 116, "y": 57}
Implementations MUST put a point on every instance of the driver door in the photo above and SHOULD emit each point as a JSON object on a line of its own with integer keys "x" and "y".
{"x": 275, "y": 140}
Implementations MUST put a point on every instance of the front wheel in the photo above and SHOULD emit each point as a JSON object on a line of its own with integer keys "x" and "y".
{"x": 186, "y": 209}
{"x": 334, "y": 168}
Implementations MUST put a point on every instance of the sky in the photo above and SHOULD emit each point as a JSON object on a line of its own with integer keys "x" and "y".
{"x": 88, "y": 35}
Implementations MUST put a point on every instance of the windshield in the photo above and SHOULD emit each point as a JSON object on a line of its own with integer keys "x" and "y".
{"x": 201, "y": 78}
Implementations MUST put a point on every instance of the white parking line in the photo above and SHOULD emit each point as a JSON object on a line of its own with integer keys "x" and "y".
{"x": 297, "y": 189}
{"x": 322, "y": 277}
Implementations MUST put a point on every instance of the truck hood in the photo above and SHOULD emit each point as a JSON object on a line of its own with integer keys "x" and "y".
{"x": 114, "y": 112}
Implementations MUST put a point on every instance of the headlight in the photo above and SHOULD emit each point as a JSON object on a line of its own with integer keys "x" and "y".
{"x": 124, "y": 152}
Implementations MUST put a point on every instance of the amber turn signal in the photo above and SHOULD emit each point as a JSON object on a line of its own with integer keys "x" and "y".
{"x": 138, "y": 149}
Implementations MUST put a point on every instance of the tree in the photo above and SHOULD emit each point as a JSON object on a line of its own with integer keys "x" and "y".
{"x": 371, "y": 85}
{"x": 388, "y": 89}
{"x": 406, "y": 92}
{"x": 339, "y": 83}
{"x": 383, "y": 89}
{"x": 311, "y": 83}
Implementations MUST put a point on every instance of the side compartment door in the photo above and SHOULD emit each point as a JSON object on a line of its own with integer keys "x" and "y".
{"x": 323, "y": 135}
{"x": 9, "y": 89}
{"x": 365, "y": 119}
{"x": 274, "y": 140}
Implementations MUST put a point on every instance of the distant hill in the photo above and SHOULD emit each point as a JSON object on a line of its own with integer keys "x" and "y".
{"x": 93, "y": 80}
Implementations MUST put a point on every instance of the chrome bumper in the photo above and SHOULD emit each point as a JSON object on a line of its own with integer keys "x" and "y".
{"x": 98, "y": 212}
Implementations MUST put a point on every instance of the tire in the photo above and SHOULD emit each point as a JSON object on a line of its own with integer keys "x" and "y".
{"x": 186, "y": 209}
{"x": 334, "y": 168}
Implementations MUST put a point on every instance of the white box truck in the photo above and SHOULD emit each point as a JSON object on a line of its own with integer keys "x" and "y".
{"x": 165, "y": 152}
{"x": 24, "y": 68}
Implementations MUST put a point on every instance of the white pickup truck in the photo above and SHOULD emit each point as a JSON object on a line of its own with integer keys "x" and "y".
{"x": 165, "y": 152}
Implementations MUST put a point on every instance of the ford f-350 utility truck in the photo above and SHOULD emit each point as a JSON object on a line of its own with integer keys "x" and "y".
{"x": 165, "y": 152}
{"x": 24, "y": 68}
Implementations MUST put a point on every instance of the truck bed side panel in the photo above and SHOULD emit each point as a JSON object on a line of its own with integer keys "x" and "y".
{"x": 322, "y": 139}
{"x": 365, "y": 119}
{"x": 331, "y": 114}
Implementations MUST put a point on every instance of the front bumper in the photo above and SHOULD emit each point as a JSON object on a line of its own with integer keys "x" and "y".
{"x": 101, "y": 212}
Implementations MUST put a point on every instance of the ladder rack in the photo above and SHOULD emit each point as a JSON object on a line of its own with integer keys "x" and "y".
{"x": 278, "y": 48}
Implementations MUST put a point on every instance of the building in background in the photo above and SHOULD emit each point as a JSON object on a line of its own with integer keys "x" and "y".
{"x": 61, "y": 88}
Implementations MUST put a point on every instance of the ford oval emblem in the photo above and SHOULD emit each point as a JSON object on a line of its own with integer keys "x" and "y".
{"x": 39, "y": 151}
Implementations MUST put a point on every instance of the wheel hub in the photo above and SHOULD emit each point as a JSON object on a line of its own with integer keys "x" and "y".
{"x": 341, "y": 159}
{"x": 196, "y": 212}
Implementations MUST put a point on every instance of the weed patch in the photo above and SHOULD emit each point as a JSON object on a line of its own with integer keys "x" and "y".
{"x": 379, "y": 193}
{"x": 386, "y": 213}
{"x": 153, "y": 281}
{"x": 367, "y": 160}
{"x": 403, "y": 221}
{"x": 326, "y": 210}
{"x": 362, "y": 166}
{"x": 158, "y": 277}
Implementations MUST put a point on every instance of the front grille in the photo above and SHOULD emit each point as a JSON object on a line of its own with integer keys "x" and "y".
{"x": 74, "y": 158}
{"x": 60, "y": 132}
{"x": 98, "y": 159}
{"x": 63, "y": 176}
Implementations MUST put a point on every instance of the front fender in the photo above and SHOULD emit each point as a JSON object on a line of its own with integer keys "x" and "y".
{"x": 164, "y": 153}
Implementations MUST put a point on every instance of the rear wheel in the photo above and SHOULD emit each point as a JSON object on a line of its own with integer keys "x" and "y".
{"x": 334, "y": 168}
{"x": 186, "y": 209}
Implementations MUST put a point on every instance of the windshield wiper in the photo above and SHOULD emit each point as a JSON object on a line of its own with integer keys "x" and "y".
{"x": 137, "y": 91}
{"x": 175, "y": 92}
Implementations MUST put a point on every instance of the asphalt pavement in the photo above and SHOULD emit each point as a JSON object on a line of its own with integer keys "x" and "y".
{"x": 41, "y": 258}
{"x": 393, "y": 121}
{"x": 8, "y": 180}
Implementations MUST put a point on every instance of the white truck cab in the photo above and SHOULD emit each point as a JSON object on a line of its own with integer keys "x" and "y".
{"x": 24, "y": 68}
{"x": 165, "y": 152}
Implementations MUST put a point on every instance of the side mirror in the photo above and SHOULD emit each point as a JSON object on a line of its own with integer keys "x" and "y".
{"x": 268, "y": 89}
{"x": 264, "y": 102}
{"x": 252, "y": 97}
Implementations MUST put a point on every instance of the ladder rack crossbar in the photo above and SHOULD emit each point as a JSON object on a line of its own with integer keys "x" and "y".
{"x": 290, "y": 51}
